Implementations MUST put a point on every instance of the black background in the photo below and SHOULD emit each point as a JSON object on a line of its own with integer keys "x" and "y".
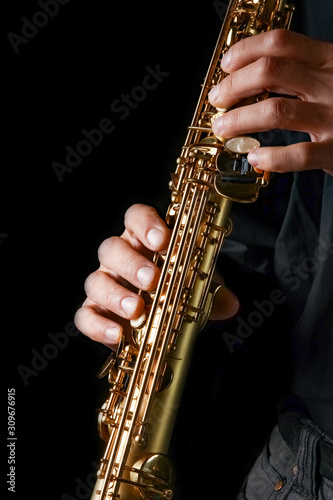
{"x": 64, "y": 80}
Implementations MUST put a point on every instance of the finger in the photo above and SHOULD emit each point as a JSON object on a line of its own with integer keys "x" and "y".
{"x": 90, "y": 320}
{"x": 297, "y": 157}
{"x": 280, "y": 43}
{"x": 145, "y": 229}
{"x": 117, "y": 256}
{"x": 107, "y": 293}
{"x": 225, "y": 305}
{"x": 274, "y": 113}
{"x": 273, "y": 74}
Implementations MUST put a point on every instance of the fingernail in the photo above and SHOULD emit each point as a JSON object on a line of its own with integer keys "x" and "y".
{"x": 112, "y": 334}
{"x": 145, "y": 275}
{"x": 155, "y": 238}
{"x": 253, "y": 158}
{"x": 226, "y": 60}
{"x": 217, "y": 127}
{"x": 213, "y": 94}
{"x": 129, "y": 305}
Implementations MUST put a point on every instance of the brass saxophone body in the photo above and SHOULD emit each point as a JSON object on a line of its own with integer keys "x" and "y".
{"x": 148, "y": 373}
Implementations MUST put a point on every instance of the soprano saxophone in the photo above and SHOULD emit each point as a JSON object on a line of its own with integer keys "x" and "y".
{"x": 148, "y": 373}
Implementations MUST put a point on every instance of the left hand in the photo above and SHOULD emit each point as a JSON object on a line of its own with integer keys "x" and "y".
{"x": 290, "y": 64}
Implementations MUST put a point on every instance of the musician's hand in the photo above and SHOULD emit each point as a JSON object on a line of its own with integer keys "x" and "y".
{"x": 125, "y": 266}
{"x": 290, "y": 64}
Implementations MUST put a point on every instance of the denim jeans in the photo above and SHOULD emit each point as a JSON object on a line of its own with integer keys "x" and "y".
{"x": 280, "y": 474}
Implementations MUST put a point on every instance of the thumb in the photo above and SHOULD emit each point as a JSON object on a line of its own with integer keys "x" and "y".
{"x": 225, "y": 305}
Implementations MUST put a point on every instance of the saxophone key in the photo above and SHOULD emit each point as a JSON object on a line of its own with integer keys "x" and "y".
{"x": 141, "y": 440}
{"x": 212, "y": 239}
{"x": 182, "y": 162}
{"x": 200, "y": 273}
{"x": 101, "y": 470}
{"x": 154, "y": 474}
{"x": 107, "y": 366}
{"x": 188, "y": 317}
{"x": 119, "y": 393}
{"x": 110, "y": 495}
{"x": 171, "y": 349}
{"x": 126, "y": 369}
{"x": 241, "y": 145}
{"x": 109, "y": 421}
{"x": 197, "y": 310}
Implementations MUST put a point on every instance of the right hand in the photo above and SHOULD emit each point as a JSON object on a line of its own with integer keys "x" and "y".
{"x": 126, "y": 266}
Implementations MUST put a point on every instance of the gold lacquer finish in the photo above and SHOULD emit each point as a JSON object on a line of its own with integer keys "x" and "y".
{"x": 148, "y": 373}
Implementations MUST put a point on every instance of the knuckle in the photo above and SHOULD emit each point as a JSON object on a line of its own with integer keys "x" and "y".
{"x": 112, "y": 300}
{"x": 83, "y": 320}
{"x": 79, "y": 318}
{"x": 91, "y": 283}
{"x": 129, "y": 265}
{"x": 304, "y": 155}
{"x": 105, "y": 247}
{"x": 228, "y": 84}
{"x": 232, "y": 120}
{"x": 105, "y": 294}
{"x": 277, "y": 39}
{"x": 133, "y": 211}
{"x": 269, "y": 67}
{"x": 137, "y": 219}
{"x": 134, "y": 207}
{"x": 278, "y": 111}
